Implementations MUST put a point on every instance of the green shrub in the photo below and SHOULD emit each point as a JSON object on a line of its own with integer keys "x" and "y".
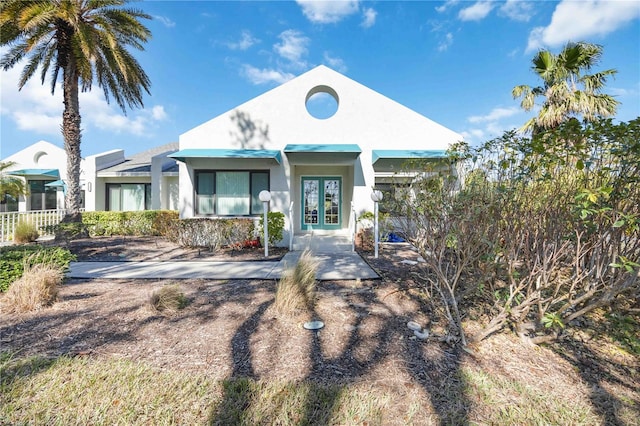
{"x": 14, "y": 259}
{"x": 25, "y": 232}
{"x": 146, "y": 222}
{"x": 65, "y": 231}
{"x": 275, "y": 226}
{"x": 213, "y": 233}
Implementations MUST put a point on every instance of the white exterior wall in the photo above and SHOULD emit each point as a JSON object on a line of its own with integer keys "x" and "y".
{"x": 94, "y": 186}
{"x": 279, "y": 117}
{"x": 40, "y": 155}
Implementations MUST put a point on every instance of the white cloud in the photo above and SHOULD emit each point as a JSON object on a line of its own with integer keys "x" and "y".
{"x": 35, "y": 109}
{"x": 246, "y": 41}
{"x": 165, "y": 21}
{"x": 473, "y": 135}
{"x": 327, "y": 12}
{"x": 477, "y": 12}
{"x": 517, "y": 10}
{"x": 261, "y": 76}
{"x": 446, "y": 43}
{"x": 335, "y": 63}
{"x": 158, "y": 113}
{"x": 495, "y": 115}
{"x": 581, "y": 20}
{"x": 293, "y": 47}
{"x": 446, "y": 5}
{"x": 368, "y": 17}
{"x": 491, "y": 125}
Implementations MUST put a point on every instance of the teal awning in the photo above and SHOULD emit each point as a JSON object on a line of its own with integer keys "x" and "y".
{"x": 189, "y": 153}
{"x": 56, "y": 183}
{"x": 387, "y": 160}
{"x": 42, "y": 174}
{"x": 322, "y": 153}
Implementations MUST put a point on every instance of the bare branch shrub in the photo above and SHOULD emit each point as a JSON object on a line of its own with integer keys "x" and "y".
{"x": 540, "y": 231}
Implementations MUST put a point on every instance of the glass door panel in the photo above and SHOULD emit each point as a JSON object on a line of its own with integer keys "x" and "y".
{"x": 310, "y": 197}
{"x": 321, "y": 203}
{"x": 332, "y": 201}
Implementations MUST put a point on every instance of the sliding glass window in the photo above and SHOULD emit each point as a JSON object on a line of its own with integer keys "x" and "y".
{"x": 128, "y": 196}
{"x": 229, "y": 193}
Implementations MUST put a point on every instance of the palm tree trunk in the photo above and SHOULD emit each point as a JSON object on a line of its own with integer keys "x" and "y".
{"x": 71, "y": 133}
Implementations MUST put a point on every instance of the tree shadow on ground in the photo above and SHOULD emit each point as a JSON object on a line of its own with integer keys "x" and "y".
{"x": 599, "y": 372}
{"x": 330, "y": 374}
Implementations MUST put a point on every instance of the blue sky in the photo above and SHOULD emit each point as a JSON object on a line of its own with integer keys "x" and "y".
{"x": 452, "y": 61}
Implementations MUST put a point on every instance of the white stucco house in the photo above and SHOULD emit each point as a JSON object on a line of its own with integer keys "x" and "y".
{"x": 40, "y": 167}
{"x": 109, "y": 180}
{"x": 320, "y": 170}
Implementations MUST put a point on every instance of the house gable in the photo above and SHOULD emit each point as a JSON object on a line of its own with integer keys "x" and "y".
{"x": 280, "y": 117}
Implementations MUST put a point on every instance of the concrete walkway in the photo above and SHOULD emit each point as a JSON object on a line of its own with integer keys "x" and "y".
{"x": 332, "y": 266}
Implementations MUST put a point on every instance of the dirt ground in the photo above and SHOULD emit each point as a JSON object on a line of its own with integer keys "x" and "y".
{"x": 231, "y": 329}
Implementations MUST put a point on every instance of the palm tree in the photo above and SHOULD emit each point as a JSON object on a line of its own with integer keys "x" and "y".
{"x": 85, "y": 40}
{"x": 567, "y": 89}
{"x": 10, "y": 186}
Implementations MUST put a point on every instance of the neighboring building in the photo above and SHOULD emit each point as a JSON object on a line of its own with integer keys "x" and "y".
{"x": 146, "y": 181}
{"x": 39, "y": 165}
{"x": 109, "y": 181}
{"x": 320, "y": 167}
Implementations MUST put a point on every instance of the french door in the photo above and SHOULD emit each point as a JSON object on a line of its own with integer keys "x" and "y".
{"x": 321, "y": 202}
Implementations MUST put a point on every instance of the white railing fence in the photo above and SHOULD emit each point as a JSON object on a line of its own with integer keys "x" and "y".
{"x": 40, "y": 218}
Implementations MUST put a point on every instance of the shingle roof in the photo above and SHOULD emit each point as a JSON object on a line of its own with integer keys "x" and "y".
{"x": 141, "y": 162}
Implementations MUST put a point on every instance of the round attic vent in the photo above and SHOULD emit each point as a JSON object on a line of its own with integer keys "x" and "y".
{"x": 322, "y": 102}
{"x": 38, "y": 156}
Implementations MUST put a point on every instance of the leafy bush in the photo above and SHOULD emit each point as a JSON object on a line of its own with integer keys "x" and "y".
{"x": 25, "y": 232}
{"x": 35, "y": 289}
{"x": 14, "y": 260}
{"x": 66, "y": 231}
{"x": 169, "y": 299}
{"x": 146, "y": 222}
{"x": 539, "y": 232}
{"x": 275, "y": 227}
{"x": 213, "y": 233}
{"x": 297, "y": 288}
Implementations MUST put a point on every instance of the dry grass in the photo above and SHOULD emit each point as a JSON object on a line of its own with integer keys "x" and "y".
{"x": 25, "y": 232}
{"x": 86, "y": 390}
{"x": 296, "y": 289}
{"x": 36, "y": 289}
{"x": 169, "y": 299}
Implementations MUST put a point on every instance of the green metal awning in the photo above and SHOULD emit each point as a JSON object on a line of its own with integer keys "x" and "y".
{"x": 386, "y": 160}
{"x": 322, "y": 153}
{"x": 42, "y": 174}
{"x": 190, "y": 153}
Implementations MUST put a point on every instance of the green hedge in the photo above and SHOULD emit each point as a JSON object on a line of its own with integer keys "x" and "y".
{"x": 275, "y": 226}
{"x": 212, "y": 233}
{"x": 13, "y": 259}
{"x": 147, "y": 222}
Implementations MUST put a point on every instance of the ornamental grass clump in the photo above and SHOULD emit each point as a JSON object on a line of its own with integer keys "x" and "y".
{"x": 296, "y": 289}
{"x": 168, "y": 299}
{"x": 25, "y": 232}
{"x": 36, "y": 289}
